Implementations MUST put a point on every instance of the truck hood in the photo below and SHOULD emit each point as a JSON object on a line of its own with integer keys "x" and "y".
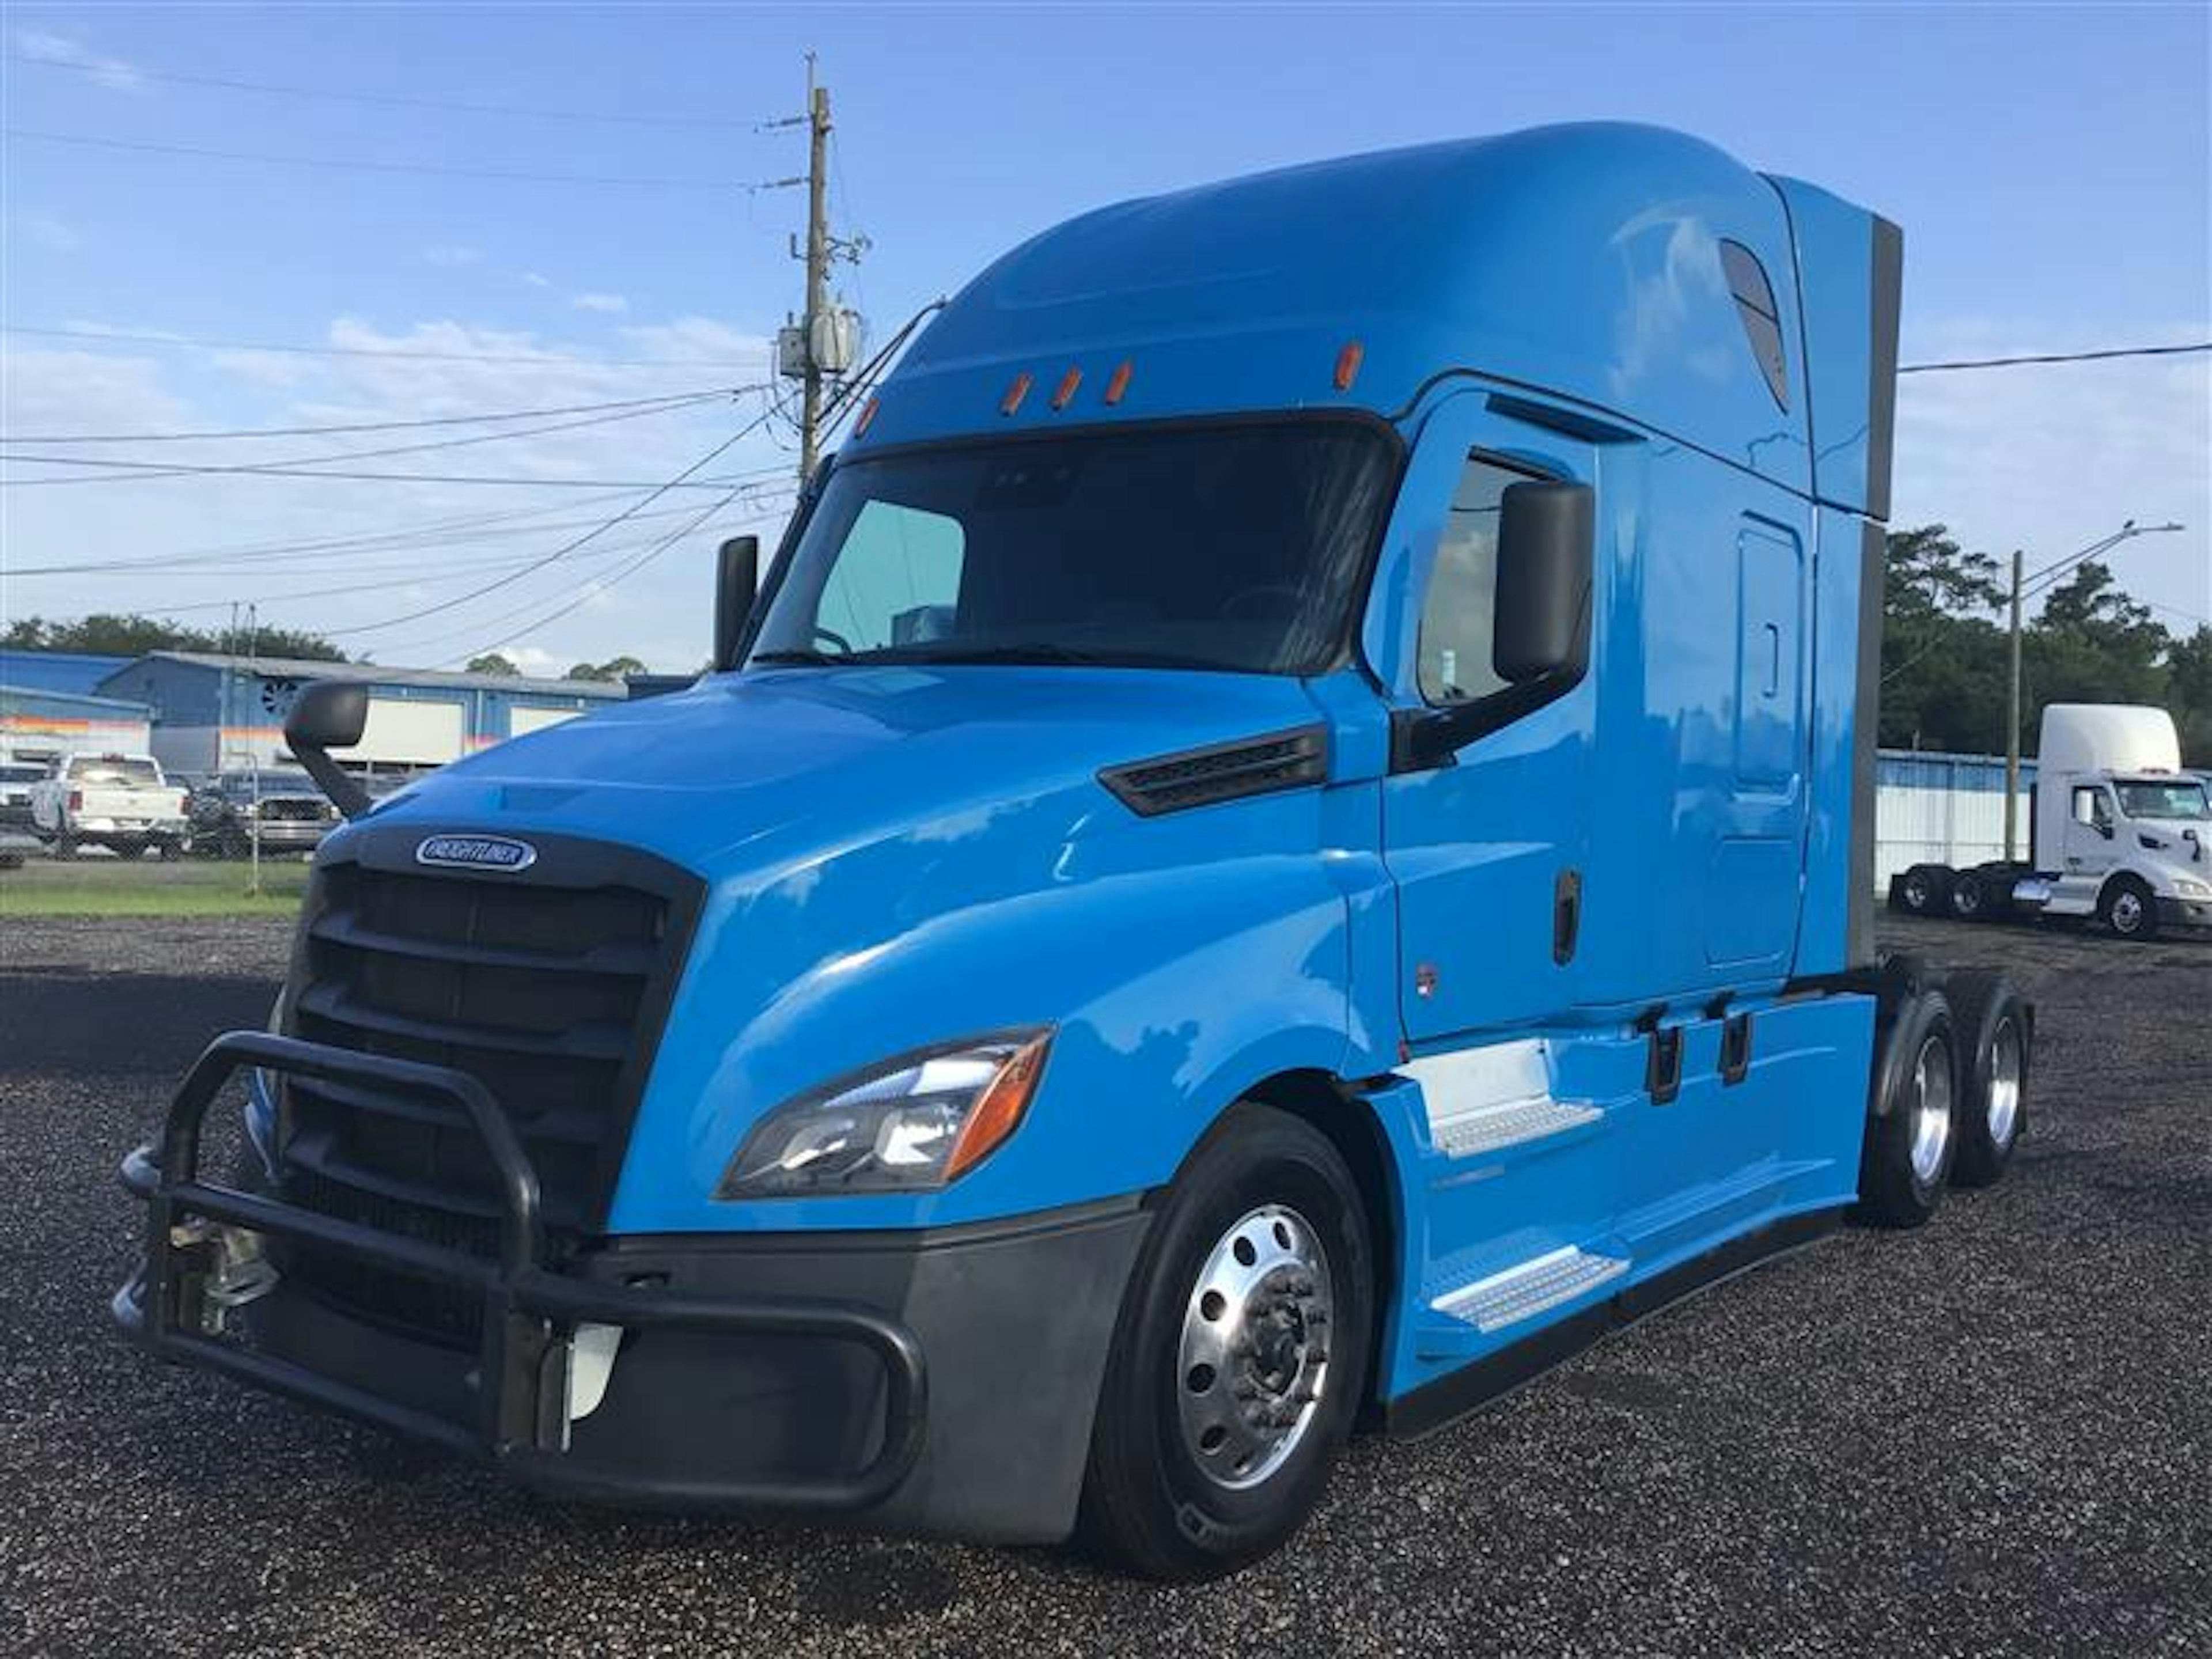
{"x": 754, "y": 770}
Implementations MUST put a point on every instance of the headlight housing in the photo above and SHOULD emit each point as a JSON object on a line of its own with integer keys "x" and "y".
{"x": 2192, "y": 888}
{"x": 911, "y": 1124}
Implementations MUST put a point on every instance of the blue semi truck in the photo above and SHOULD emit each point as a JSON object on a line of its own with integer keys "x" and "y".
{"x": 1286, "y": 840}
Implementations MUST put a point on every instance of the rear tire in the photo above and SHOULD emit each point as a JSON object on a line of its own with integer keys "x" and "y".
{"x": 2128, "y": 909}
{"x": 1995, "y": 1030}
{"x": 1240, "y": 1357}
{"x": 1925, "y": 889}
{"x": 1970, "y": 897}
{"x": 1912, "y": 1139}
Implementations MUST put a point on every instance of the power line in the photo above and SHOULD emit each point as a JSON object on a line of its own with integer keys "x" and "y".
{"x": 291, "y": 467}
{"x": 404, "y": 100}
{"x": 2057, "y": 357}
{"x": 333, "y": 476}
{"x": 549, "y": 360}
{"x": 355, "y": 164}
{"x": 566, "y": 548}
{"x": 368, "y": 426}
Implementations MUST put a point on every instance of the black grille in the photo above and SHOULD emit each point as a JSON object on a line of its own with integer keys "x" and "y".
{"x": 1219, "y": 772}
{"x": 549, "y": 987}
{"x": 290, "y": 810}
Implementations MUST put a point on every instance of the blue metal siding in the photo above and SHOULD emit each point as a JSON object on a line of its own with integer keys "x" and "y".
{"x": 72, "y": 672}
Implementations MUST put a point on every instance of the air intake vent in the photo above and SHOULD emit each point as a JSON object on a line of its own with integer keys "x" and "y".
{"x": 1221, "y": 771}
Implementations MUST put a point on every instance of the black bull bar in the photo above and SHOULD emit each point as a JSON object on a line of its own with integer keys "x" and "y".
{"x": 528, "y": 1311}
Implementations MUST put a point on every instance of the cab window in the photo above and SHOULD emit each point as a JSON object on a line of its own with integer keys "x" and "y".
{"x": 897, "y": 580}
{"x": 1459, "y": 616}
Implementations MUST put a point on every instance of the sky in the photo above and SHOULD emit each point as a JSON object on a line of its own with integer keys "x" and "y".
{"x": 2051, "y": 167}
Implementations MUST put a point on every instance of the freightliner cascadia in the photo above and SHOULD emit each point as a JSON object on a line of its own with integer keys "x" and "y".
{"x": 1286, "y": 839}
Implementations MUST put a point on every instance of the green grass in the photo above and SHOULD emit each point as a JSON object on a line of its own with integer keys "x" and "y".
{"x": 112, "y": 887}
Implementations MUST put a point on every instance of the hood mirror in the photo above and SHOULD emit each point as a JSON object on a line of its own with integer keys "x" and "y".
{"x": 329, "y": 715}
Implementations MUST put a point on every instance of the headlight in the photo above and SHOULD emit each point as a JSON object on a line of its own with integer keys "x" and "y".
{"x": 916, "y": 1122}
{"x": 2192, "y": 888}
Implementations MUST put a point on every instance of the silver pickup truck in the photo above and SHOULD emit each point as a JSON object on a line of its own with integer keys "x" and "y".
{"x": 121, "y": 802}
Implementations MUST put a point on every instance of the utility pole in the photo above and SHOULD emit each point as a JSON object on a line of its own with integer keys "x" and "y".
{"x": 2012, "y": 722}
{"x": 817, "y": 267}
{"x": 819, "y": 346}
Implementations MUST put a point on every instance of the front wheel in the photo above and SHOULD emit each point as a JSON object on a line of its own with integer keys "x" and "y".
{"x": 1240, "y": 1357}
{"x": 2128, "y": 909}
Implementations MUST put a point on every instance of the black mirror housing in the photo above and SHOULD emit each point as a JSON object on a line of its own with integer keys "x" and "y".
{"x": 329, "y": 715}
{"x": 737, "y": 579}
{"x": 1546, "y": 541}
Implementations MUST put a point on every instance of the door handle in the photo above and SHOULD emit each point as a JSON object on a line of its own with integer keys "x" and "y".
{"x": 1567, "y": 915}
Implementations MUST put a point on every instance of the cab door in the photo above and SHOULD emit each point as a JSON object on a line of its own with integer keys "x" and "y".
{"x": 1487, "y": 845}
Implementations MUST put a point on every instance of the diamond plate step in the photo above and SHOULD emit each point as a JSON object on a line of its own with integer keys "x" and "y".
{"x": 1523, "y": 1292}
{"x": 1508, "y": 1125}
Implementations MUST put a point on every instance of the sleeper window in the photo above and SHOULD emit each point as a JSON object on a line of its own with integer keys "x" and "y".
{"x": 1457, "y": 618}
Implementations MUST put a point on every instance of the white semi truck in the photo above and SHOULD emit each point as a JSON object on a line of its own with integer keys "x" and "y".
{"x": 2118, "y": 831}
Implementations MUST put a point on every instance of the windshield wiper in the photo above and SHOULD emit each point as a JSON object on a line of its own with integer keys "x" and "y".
{"x": 800, "y": 654}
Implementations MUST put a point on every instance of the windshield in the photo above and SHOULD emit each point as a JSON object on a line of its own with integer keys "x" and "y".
{"x": 2176, "y": 798}
{"x": 114, "y": 769}
{"x": 1224, "y": 547}
{"x": 268, "y": 783}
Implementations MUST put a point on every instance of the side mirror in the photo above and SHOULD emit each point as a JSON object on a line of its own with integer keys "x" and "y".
{"x": 329, "y": 715}
{"x": 737, "y": 579}
{"x": 1547, "y": 537}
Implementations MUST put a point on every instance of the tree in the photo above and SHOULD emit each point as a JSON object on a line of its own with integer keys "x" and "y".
{"x": 2189, "y": 694}
{"x": 110, "y": 635}
{"x": 1942, "y": 673}
{"x": 614, "y": 671}
{"x": 2093, "y": 644}
{"x": 492, "y": 663}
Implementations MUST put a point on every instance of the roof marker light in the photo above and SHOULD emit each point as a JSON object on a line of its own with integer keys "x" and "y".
{"x": 1015, "y": 393}
{"x": 1119, "y": 382}
{"x": 1348, "y": 364}
{"x": 1068, "y": 382}
{"x": 867, "y": 413}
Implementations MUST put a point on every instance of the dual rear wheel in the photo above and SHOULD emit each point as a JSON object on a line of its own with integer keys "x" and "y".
{"x": 1951, "y": 1092}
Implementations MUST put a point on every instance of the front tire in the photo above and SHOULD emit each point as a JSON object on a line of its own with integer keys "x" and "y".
{"x": 1240, "y": 1357}
{"x": 2128, "y": 909}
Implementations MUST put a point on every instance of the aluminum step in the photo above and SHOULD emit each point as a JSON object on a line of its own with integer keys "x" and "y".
{"x": 1510, "y": 1124}
{"x": 1533, "y": 1287}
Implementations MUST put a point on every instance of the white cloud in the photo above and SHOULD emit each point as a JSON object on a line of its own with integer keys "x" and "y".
{"x": 606, "y": 302}
{"x": 452, "y": 253}
{"x": 47, "y": 48}
{"x": 43, "y": 230}
{"x": 537, "y": 279}
{"x": 700, "y": 339}
{"x": 654, "y": 613}
{"x": 2049, "y": 458}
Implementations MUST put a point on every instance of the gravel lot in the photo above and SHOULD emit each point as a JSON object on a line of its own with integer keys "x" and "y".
{"x": 1993, "y": 1435}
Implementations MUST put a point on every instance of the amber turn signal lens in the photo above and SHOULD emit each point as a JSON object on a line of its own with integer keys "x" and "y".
{"x": 867, "y": 413}
{"x": 1015, "y": 393}
{"x": 1348, "y": 364}
{"x": 1118, "y": 383}
{"x": 1068, "y": 382}
{"x": 998, "y": 1110}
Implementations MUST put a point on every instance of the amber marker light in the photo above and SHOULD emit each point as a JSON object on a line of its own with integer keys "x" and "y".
{"x": 867, "y": 415}
{"x": 1118, "y": 382}
{"x": 998, "y": 1111}
{"x": 1348, "y": 364}
{"x": 1068, "y": 382}
{"x": 1015, "y": 393}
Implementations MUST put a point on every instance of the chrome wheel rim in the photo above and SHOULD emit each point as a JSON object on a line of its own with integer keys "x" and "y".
{"x": 1966, "y": 898}
{"x": 2127, "y": 912}
{"x": 1931, "y": 1109}
{"x": 2006, "y": 1067}
{"x": 1253, "y": 1358}
{"x": 1915, "y": 892}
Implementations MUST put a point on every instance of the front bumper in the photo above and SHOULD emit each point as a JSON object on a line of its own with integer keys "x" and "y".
{"x": 2185, "y": 913}
{"x": 85, "y": 827}
{"x": 935, "y": 1381}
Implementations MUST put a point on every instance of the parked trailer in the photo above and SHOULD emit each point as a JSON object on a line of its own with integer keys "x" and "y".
{"x": 1287, "y": 840}
{"x": 2117, "y": 831}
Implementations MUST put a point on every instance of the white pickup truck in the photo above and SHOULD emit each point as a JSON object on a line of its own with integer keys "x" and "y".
{"x": 121, "y": 802}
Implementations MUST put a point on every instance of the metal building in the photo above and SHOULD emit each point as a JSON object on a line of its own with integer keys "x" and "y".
{"x": 214, "y": 713}
{"x": 1934, "y": 808}
{"x": 38, "y": 724}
